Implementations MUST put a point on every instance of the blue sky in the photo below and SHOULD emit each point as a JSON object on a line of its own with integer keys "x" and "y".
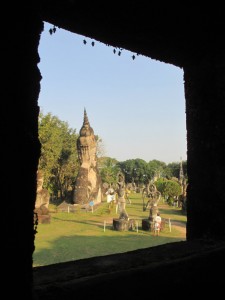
{"x": 137, "y": 106}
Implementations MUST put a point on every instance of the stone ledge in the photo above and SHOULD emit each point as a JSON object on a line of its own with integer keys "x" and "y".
{"x": 175, "y": 263}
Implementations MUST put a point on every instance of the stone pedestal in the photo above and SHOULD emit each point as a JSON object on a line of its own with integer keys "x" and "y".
{"x": 41, "y": 215}
{"x": 43, "y": 219}
{"x": 120, "y": 224}
{"x": 132, "y": 224}
{"x": 147, "y": 224}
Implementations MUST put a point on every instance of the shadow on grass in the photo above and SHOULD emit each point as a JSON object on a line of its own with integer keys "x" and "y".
{"x": 70, "y": 248}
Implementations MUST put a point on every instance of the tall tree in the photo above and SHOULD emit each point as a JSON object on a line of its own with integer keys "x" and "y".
{"x": 156, "y": 169}
{"x": 170, "y": 189}
{"x": 108, "y": 169}
{"x": 134, "y": 170}
{"x": 59, "y": 160}
{"x": 173, "y": 169}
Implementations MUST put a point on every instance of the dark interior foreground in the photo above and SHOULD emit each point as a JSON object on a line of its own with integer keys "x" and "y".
{"x": 191, "y": 39}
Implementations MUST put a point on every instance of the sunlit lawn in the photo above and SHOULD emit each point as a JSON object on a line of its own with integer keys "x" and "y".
{"x": 73, "y": 236}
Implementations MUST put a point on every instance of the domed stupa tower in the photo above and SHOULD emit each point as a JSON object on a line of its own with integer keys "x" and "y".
{"x": 88, "y": 181}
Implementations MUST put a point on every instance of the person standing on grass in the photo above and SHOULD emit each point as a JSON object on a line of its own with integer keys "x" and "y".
{"x": 157, "y": 224}
{"x": 111, "y": 197}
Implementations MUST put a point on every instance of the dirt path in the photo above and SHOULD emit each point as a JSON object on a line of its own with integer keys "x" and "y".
{"x": 179, "y": 225}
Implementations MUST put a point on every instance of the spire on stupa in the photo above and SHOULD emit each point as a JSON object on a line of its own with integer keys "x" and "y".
{"x": 181, "y": 173}
{"x": 86, "y": 129}
{"x": 86, "y": 121}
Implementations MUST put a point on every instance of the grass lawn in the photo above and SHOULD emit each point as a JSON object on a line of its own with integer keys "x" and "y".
{"x": 78, "y": 235}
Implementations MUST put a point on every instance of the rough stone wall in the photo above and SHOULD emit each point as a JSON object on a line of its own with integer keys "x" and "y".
{"x": 205, "y": 111}
{"x": 204, "y": 91}
{"x": 166, "y": 271}
{"x": 20, "y": 85}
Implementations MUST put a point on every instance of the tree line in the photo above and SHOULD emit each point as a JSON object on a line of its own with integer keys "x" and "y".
{"x": 59, "y": 161}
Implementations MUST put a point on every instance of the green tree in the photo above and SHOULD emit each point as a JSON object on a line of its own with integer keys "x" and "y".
{"x": 134, "y": 170}
{"x": 59, "y": 160}
{"x": 173, "y": 169}
{"x": 108, "y": 169}
{"x": 156, "y": 169}
{"x": 170, "y": 189}
{"x": 160, "y": 185}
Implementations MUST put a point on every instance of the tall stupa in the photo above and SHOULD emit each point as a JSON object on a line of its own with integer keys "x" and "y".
{"x": 88, "y": 182}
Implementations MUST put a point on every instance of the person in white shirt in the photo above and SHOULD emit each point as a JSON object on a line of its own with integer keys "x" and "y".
{"x": 111, "y": 197}
{"x": 157, "y": 224}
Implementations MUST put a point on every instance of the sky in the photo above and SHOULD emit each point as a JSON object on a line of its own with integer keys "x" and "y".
{"x": 136, "y": 106}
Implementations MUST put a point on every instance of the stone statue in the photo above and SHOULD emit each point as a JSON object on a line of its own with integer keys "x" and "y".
{"x": 121, "y": 197}
{"x": 183, "y": 197}
{"x": 150, "y": 191}
{"x": 153, "y": 212}
{"x": 153, "y": 199}
{"x": 88, "y": 182}
{"x": 42, "y": 196}
{"x": 41, "y": 212}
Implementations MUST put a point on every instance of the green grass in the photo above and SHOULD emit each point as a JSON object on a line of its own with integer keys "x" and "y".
{"x": 73, "y": 236}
